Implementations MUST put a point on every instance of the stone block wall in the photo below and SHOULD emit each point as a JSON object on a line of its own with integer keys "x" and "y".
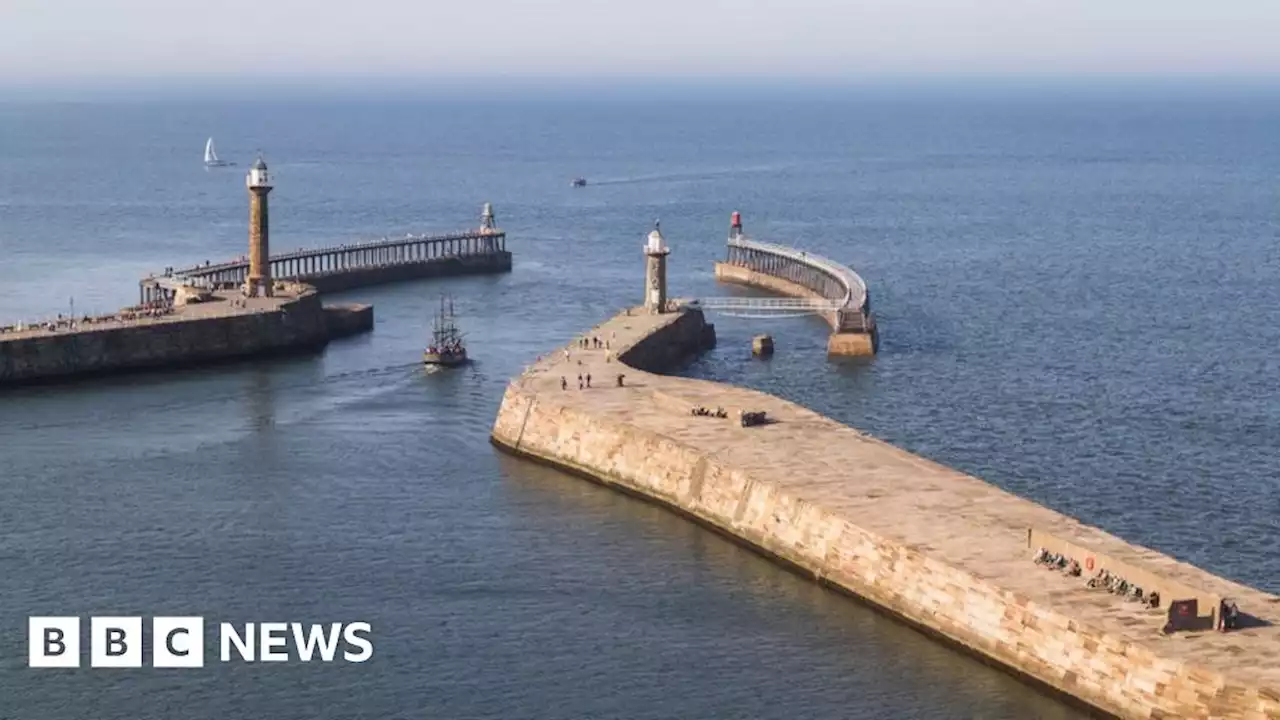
{"x": 689, "y": 334}
{"x": 344, "y": 319}
{"x": 298, "y": 325}
{"x": 1042, "y": 644}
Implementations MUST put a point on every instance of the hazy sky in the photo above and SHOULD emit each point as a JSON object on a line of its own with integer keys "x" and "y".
{"x": 42, "y": 39}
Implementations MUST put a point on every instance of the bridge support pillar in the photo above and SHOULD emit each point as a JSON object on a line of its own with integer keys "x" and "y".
{"x": 853, "y": 344}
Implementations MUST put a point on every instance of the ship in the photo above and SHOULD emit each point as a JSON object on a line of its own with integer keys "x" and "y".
{"x": 446, "y": 348}
{"x": 579, "y": 182}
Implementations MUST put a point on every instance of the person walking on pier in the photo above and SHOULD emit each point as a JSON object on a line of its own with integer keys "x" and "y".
{"x": 588, "y": 379}
{"x": 564, "y": 384}
{"x": 579, "y": 381}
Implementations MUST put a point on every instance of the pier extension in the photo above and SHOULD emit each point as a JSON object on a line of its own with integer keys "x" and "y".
{"x": 800, "y": 274}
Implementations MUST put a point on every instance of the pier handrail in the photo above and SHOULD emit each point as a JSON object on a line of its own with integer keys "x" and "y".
{"x": 855, "y": 296}
{"x": 369, "y": 244}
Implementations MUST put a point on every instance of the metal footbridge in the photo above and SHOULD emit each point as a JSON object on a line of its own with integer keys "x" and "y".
{"x": 785, "y": 307}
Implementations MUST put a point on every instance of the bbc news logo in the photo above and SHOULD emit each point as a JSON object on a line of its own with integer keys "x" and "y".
{"x": 178, "y": 642}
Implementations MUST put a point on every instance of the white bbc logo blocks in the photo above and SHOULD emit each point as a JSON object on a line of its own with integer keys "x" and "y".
{"x": 115, "y": 642}
{"x": 177, "y": 642}
{"x": 53, "y": 642}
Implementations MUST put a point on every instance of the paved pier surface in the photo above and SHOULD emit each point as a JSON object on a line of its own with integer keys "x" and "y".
{"x": 223, "y": 304}
{"x": 945, "y": 550}
{"x": 224, "y": 327}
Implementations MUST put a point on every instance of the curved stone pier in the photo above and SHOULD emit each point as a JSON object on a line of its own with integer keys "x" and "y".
{"x": 796, "y": 273}
{"x": 946, "y": 552}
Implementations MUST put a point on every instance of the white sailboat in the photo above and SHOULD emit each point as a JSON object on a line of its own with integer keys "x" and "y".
{"x": 211, "y": 156}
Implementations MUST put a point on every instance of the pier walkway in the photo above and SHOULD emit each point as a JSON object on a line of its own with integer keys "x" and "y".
{"x": 830, "y": 289}
{"x": 946, "y": 551}
{"x": 347, "y": 266}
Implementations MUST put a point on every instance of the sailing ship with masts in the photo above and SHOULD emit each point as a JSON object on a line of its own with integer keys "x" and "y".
{"x": 446, "y": 348}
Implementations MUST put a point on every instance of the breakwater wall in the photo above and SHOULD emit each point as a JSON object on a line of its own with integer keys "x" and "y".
{"x": 346, "y": 319}
{"x": 943, "y": 551}
{"x": 194, "y": 335}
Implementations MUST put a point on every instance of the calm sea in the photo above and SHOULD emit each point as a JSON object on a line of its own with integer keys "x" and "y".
{"x": 1078, "y": 302}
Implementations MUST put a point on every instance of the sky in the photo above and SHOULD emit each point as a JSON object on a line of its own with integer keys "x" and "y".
{"x": 53, "y": 40}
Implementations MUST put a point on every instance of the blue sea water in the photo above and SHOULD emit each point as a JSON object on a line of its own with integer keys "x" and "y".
{"x": 1075, "y": 291}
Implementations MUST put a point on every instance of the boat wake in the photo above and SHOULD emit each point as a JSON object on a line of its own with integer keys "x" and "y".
{"x": 688, "y": 177}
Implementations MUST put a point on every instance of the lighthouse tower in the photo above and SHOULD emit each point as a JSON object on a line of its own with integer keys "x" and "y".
{"x": 487, "y": 223}
{"x": 258, "y": 283}
{"x": 655, "y": 272}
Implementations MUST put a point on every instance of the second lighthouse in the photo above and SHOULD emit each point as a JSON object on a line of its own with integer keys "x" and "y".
{"x": 258, "y": 283}
{"x": 655, "y": 271}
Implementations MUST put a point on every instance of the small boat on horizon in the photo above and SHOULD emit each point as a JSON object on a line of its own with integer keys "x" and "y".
{"x": 579, "y": 182}
{"x": 211, "y": 156}
{"x": 446, "y": 348}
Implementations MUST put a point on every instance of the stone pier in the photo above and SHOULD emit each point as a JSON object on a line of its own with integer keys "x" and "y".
{"x": 223, "y": 326}
{"x": 946, "y": 552}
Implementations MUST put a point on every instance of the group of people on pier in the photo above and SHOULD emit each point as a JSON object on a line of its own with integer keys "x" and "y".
{"x": 593, "y": 343}
{"x": 584, "y": 381}
{"x": 69, "y": 322}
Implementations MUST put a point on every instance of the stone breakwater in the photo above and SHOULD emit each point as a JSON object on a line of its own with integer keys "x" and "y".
{"x": 190, "y": 335}
{"x": 946, "y": 552}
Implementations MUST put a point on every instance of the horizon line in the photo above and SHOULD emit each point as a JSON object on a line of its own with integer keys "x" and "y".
{"x": 210, "y": 83}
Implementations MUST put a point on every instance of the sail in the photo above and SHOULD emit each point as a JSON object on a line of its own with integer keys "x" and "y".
{"x": 209, "y": 155}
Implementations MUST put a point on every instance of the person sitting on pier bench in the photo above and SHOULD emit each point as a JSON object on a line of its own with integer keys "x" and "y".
{"x": 1228, "y": 615}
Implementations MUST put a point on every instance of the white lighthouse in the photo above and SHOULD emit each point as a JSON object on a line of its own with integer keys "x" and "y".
{"x": 655, "y": 272}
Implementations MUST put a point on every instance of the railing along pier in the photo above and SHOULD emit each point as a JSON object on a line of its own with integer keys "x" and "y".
{"x": 827, "y": 287}
{"x": 352, "y": 265}
{"x": 310, "y": 265}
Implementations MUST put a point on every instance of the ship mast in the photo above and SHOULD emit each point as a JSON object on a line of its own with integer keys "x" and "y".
{"x": 446, "y": 331}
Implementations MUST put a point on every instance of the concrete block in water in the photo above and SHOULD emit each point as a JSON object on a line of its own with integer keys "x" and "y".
{"x": 762, "y": 345}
